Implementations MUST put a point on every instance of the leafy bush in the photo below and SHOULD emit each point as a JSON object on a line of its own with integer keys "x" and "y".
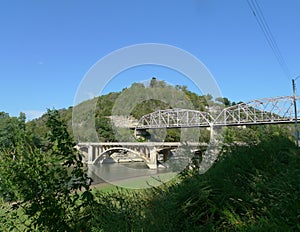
{"x": 42, "y": 193}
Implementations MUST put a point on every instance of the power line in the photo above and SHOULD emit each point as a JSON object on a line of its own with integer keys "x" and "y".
{"x": 256, "y": 10}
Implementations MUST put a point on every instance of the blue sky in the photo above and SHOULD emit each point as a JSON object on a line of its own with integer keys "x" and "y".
{"x": 47, "y": 47}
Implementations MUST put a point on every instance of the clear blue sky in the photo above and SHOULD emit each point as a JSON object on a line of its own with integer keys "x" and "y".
{"x": 46, "y": 47}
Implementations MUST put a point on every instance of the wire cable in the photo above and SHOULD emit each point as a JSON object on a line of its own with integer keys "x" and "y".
{"x": 257, "y": 12}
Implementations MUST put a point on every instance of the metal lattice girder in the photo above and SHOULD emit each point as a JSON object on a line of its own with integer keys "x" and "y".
{"x": 262, "y": 111}
{"x": 175, "y": 118}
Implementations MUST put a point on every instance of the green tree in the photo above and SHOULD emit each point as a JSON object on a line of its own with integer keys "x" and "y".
{"x": 104, "y": 129}
{"x": 45, "y": 185}
{"x": 173, "y": 135}
{"x": 224, "y": 100}
{"x": 12, "y": 131}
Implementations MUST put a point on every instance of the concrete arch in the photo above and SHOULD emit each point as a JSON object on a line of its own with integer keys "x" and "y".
{"x": 107, "y": 153}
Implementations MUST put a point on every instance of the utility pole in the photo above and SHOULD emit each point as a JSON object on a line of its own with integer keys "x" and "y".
{"x": 295, "y": 108}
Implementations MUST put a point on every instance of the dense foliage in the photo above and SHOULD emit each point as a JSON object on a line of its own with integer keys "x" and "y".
{"x": 42, "y": 187}
{"x": 253, "y": 188}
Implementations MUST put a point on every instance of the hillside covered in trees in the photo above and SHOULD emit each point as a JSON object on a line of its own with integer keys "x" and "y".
{"x": 96, "y": 115}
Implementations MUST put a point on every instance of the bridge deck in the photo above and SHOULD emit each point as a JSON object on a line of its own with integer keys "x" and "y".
{"x": 146, "y": 144}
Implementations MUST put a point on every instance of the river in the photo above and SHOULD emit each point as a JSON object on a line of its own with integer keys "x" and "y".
{"x": 121, "y": 173}
{"x": 137, "y": 174}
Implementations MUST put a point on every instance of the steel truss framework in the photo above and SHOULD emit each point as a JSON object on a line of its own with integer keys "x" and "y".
{"x": 174, "y": 118}
{"x": 263, "y": 111}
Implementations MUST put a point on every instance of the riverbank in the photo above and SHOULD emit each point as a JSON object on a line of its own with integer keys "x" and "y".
{"x": 139, "y": 182}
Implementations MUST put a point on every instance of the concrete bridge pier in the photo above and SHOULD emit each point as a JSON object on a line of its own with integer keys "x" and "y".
{"x": 90, "y": 154}
{"x": 152, "y": 163}
{"x": 213, "y": 150}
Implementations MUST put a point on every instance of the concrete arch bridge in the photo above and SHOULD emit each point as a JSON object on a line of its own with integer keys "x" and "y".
{"x": 146, "y": 151}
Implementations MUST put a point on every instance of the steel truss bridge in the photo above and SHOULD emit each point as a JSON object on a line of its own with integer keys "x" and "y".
{"x": 276, "y": 110}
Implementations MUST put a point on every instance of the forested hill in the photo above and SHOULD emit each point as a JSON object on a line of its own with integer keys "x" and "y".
{"x": 105, "y": 104}
{"x": 159, "y": 95}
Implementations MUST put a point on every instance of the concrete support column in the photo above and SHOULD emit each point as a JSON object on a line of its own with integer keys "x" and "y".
{"x": 97, "y": 152}
{"x": 94, "y": 152}
{"x": 90, "y": 154}
{"x": 147, "y": 152}
{"x": 152, "y": 164}
{"x": 212, "y": 152}
{"x": 212, "y": 134}
{"x": 140, "y": 150}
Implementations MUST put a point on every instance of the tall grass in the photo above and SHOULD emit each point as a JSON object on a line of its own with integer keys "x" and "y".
{"x": 254, "y": 188}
